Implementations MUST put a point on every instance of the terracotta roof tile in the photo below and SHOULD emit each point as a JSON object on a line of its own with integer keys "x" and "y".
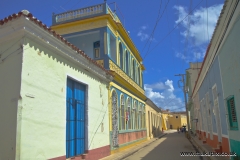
{"x": 27, "y": 14}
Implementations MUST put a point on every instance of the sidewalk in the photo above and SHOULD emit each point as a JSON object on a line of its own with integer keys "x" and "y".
{"x": 125, "y": 153}
{"x": 204, "y": 147}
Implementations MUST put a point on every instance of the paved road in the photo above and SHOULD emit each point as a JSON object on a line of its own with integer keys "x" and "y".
{"x": 166, "y": 148}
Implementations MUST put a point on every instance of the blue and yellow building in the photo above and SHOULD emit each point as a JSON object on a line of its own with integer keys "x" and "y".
{"x": 100, "y": 34}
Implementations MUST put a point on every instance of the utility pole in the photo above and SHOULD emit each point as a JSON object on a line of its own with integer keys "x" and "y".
{"x": 185, "y": 97}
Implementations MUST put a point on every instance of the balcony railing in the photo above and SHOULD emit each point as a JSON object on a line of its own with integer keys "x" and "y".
{"x": 91, "y": 11}
{"x": 115, "y": 68}
{"x": 79, "y": 13}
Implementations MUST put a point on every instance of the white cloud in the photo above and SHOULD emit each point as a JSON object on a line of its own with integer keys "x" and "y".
{"x": 162, "y": 94}
{"x": 198, "y": 32}
{"x": 202, "y": 22}
{"x": 143, "y": 36}
{"x": 194, "y": 56}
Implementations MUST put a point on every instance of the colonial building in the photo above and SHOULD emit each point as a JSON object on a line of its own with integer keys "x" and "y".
{"x": 191, "y": 77}
{"x": 99, "y": 32}
{"x": 173, "y": 120}
{"x": 228, "y": 58}
{"x": 54, "y": 98}
{"x": 216, "y": 92}
{"x": 177, "y": 119}
{"x": 153, "y": 119}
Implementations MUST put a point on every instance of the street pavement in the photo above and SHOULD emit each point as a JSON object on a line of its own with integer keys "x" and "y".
{"x": 166, "y": 148}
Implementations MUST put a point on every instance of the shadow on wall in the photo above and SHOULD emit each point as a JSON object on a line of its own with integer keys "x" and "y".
{"x": 156, "y": 131}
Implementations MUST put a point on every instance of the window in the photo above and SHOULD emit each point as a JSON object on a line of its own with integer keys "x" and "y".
{"x": 113, "y": 46}
{"x": 139, "y": 77}
{"x": 96, "y": 46}
{"x": 140, "y": 117}
{"x": 133, "y": 117}
{"x": 133, "y": 70}
{"x": 75, "y": 121}
{"x": 122, "y": 113}
{"x": 129, "y": 114}
{"x": 121, "y": 55}
{"x": 127, "y": 70}
{"x": 232, "y": 115}
{"x": 136, "y": 116}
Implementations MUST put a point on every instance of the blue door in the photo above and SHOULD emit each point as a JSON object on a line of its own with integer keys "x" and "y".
{"x": 75, "y": 127}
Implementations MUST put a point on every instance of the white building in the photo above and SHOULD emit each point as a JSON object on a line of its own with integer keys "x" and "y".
{"x": 53, "y": 99}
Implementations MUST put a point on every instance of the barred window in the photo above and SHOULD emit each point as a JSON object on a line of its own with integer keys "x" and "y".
{"x": 232, "y": 113}
{"x": 122, "y": 113}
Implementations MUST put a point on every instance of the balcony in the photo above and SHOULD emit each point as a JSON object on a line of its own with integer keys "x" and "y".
{"x": 123, "y": 76}
{"x": 83, "y": 13}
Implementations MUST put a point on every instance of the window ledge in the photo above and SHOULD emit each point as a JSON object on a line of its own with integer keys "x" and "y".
{"x": 134, "y": 130}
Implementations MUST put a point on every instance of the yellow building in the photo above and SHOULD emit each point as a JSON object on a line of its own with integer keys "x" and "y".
{"x": 173, "y": 120}
{"x": 153, "y": 120}
{"x": 100, "y": 34}
{"x": 165, "y": 122}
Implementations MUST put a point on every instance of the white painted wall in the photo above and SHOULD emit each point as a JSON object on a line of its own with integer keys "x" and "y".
{"x": 10, "y": 80}
{"x": 44, "y": 77}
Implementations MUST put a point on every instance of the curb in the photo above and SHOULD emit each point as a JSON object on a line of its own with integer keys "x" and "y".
{"x": 200, "y": 147}
{"x": 134, "y": 151}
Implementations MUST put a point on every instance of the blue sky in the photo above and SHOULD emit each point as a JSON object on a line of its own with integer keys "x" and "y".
{"x": 174, "y": 42}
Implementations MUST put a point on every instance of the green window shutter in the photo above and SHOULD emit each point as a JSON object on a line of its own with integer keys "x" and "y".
{"x": 232, "y": 113}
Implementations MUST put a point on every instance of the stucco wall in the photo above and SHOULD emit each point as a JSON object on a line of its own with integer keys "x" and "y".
{"x": 44, "y": 77}
{"x": 229, "y": 64}
{"x": 154, "y": 126}
{"x": 213, "y": 77}
{"x": 10, "y": 80}
{"x": 85, "y": 40}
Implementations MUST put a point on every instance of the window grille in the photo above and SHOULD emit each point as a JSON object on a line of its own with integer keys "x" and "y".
{"x": 232, "y": 113}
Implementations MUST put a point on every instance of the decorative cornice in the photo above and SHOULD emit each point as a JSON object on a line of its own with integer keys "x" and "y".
{"x": 25, "y": 25}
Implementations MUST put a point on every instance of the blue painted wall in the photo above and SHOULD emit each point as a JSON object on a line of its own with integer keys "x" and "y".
{"x": 229, "y": 57}
{"x": 212, "y": 77}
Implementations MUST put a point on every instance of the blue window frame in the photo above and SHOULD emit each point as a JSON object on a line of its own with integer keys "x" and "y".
{"x": 75, "y": 122}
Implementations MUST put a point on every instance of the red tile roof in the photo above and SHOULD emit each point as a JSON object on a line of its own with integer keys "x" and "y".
{"x": 26, "y": 13}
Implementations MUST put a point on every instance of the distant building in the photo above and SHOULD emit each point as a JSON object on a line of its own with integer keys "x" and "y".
{"x": 54, "y": 98}
{"x": 173, "y": 120}
{"x": 99, "y": 32}
{"x": 191, "y": 77}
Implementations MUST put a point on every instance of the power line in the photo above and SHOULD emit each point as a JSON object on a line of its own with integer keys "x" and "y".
{"x": 207, "y": 20}
{"x": 173, "y": 29}
{"x": 154, "y": 26}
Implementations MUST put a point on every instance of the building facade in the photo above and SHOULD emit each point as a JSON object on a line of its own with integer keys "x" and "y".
{"x": 191, "y": 77}
{"x": 99, "y": 32}
{"x": 215, "y": 89}
{"x": 57, "y": 105}
{"x": 153, "y": 120}
{"x": 229, "y": 67}
{"x": 177, "y": 119}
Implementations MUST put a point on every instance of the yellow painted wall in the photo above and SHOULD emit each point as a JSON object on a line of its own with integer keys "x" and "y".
{"x": 174, "y": 122}
{"x": 165, "y": 121}
{"x": 43, "y": 112}
{"x": 177, "y": 122}
{"x": 153, "y": 122}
